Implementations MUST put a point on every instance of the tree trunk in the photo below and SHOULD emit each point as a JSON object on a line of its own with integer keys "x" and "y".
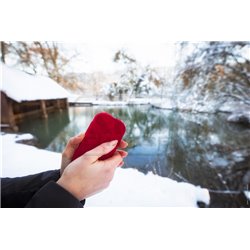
{"x": 3, "y": 51}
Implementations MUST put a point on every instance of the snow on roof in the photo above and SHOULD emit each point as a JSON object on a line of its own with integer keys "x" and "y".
{"x": 21, "y": 86}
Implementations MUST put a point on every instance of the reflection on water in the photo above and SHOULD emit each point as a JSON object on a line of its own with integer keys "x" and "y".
{"x": 202, "y": 149}
{"x": 45, "y": 130}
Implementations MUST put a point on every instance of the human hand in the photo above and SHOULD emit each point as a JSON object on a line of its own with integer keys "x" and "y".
{"x": 87, "y": 175}
{"x": 72, "y": 145}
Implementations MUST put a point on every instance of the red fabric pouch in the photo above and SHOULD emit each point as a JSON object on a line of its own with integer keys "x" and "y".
{"x": 103, "y": 128}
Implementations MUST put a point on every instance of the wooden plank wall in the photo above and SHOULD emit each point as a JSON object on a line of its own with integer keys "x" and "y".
{"x": 12, "y": 112}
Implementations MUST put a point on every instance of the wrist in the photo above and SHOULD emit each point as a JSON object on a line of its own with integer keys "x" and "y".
{"x": 69, "y": 187}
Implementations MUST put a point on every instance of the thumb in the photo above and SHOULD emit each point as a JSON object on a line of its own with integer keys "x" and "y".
{"x": 72, "y": 144}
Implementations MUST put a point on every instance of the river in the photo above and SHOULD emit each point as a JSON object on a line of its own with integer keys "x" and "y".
{"x": 202, "y": 149}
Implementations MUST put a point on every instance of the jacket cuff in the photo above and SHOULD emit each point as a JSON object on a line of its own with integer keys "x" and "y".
{"x": 52, "y": 195}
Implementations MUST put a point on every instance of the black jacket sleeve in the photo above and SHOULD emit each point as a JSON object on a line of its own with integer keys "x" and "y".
{"x": 38, "y": 190}
{"x": 52, "y": 195}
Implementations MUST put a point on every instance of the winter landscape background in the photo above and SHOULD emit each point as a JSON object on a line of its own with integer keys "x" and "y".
{"x": 185, "y": 105}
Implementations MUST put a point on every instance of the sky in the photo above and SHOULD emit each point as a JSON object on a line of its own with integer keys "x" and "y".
{"x": 99, "y": 57}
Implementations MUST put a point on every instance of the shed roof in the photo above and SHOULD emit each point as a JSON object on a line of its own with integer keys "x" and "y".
{"x": 21, "y": 86}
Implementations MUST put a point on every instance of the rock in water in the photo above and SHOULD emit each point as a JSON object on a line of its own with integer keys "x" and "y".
{"x": 241, "y": 117}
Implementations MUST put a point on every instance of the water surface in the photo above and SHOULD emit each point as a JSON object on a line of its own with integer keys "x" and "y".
{"x": 203, "y": 149}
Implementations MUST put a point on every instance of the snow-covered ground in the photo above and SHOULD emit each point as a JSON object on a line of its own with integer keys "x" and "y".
{"x": 20, "y": 160}
{"x": 128, "y": 188}
{"x": 168, "y": 103}
{"x": 132, "y": 101}
{"x": 132, "y": 188}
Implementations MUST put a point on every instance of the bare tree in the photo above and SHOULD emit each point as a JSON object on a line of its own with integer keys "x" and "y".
{"x": 47, "y": 58}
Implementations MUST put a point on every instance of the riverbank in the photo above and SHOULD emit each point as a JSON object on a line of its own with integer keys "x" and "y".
{"x": 237, "y": 112}
{"x": 78, "y": 101}
{"x": 161, "y": 103}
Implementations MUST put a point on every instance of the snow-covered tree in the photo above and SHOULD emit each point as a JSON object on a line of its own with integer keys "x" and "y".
{"x": 213, "y": 72}
{"x": 136, "y": 80}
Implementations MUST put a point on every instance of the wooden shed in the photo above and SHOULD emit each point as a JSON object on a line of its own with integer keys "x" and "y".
{"x": 25, "y": 95}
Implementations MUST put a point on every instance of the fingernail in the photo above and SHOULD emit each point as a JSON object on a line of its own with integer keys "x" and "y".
{"x": 121, "y": 164}
{"x": 112, "y": 143}
{"x": 126, "y": 154}
{"x": 123, "y": 154}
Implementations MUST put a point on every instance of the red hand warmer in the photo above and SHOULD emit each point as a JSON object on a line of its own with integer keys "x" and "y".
{"x": 103, "y": 128}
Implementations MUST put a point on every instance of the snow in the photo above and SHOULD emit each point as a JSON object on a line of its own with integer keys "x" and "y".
{"x": 21, "y": 160}
{"x": 128, "y": 188}
{"x": 72, "y": 98}
{"x": 24, "y": 137}
{"x": 164, "y": 104}
{"x": 132, "y": 188}
{"x": 233, "y": 106}
{"x": 109, "y": 103}
{"x": 219, "y": 162}
{"x": 214, "y": 139}
{"x": 141, "y": 101}
{"x": 238, "y": 156}
{"x": 247, "y": 194}
{"x": 133, "y": 101}
{"x": 21, "y": 86}
{"x": 240, "y": 113}
{"x": 240, "y": 116}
